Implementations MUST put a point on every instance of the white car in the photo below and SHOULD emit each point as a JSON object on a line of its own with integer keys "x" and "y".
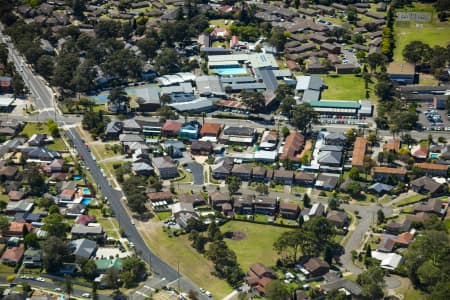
{"x": 40, "y": 279}
{"x": 202, "y": 290}
{"x": 86, "y": 295}
{"x": 57, "y": 289}
{"x": 207, "y": 293}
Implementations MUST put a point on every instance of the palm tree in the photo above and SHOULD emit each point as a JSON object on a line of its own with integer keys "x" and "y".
{"x": 68, "y": 286}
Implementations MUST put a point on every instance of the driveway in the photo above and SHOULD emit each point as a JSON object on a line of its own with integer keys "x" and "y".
{"x": 197, "y": 172}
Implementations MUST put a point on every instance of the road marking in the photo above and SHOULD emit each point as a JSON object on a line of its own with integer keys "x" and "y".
{"x": 172, "y": 282}
{"x": 142, "y": 294}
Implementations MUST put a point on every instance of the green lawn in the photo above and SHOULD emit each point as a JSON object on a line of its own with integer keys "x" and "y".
{"x": 257, "y": 246}
{"x": 32, "y": 128}
{"x": 163, "y": 215}
{"x": 346, "y": 87}
{"x": 410, "y": 200}
{"x": 433, "y": 33}
{"x": 178, "y": 250}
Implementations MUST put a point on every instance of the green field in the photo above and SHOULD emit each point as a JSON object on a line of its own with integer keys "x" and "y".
{"x": 433, "y": 33}
{"x": 410, "y": 200}
{"x": 257, "y": 246}
{"x": 346, "y": 87}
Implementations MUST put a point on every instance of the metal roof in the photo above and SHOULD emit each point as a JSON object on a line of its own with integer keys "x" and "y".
{"x": 336, "y": 104}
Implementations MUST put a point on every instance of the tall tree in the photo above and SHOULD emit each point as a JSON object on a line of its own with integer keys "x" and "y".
{"x": 372, "y": 283}
{"x": 304, "y": 116}
{"x": 68, "y": 286}
{"x": 277, "y": 290}
{"x": 234, "y": 184}
{"x": 55, "y": 251}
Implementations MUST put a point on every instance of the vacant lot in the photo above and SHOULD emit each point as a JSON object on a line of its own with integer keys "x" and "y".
{"x": 257, "y": 246}
{"x": 432, "y": 33}
{"x": 346, "y": 87}
{"x": 193, "y": 265}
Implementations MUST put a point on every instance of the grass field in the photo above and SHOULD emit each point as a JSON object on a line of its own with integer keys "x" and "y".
{"x": 432, "y": 33}
{"x": 192, "y": 264}
{"x": 346, "y": 87}
{"x": 257, "y": 246}
{"x": 32, "y": 128}
{"x": 410, "y": 200}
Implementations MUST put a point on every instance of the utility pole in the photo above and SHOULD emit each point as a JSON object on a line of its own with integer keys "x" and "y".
{"x": 178, "y": 271}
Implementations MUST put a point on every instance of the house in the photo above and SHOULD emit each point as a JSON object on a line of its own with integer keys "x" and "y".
{"x": 259, "y": 276}
{"x": 84, "y": 219}
{"x": 265, "y": 205}
{"x": 170, "y": 129}
{"x": 219, "y": 32}
{"x": 405, "y": 224}
{"x": 201, "y": 148}
{"x": 426, "y": 184}
{"x": 345, "y": 68}
{"x": 382, "y": 173}
{"x": 337, "y": 218}
{"x": 130, "y": 126}
{"x": 42, "y": 154}
{"x": 419, "y": 152}
{"x": 359, "y": 152}
{"x": 389, "y": 261}
{"x": 160, "y": 197}
{"x": 393, "y": 145}
{"x": 222, "y": 167}
{"x": 83, "y": 248}
{"x": 17, "y": 229}
{"x": 5, "y": 83}
{"x": 238, "y": 135}
{"x": 332, "y": 48}
{"x": 12, "y": 255}
{"x": 210, "y": 130}
{"x": 316, "y": 210}
{"x": 143, "y": 168}
{"x": 402, "y": 72}
{"x": 24, "y": 205}
{"x": 56, "y": 165}
{"x": 330, "y": 155}
{"x": 269, "y": 140}
{"x": 336, "y": 139}
{"x": 381, "y": 6}
{"x": 438, "y": 170}
{"x": 349, "y": 287}
{"x": 104, "y": 264}
{"x": 284, "y": 176}
{"x": 8, "y": 172}
{"x": 289, "y": 210}
{"x": 380, "y": 188}
{"x": 258, "y": 173}
{"x": 432, "y": 206}
{"x": 183, "y": 212}
{"x": 67, "y": 195}
{"x": 190, "y": 130}
{"x": 243, "y": 171}
{"x": 83, "y": 231}
{"x": 243, "y": 204}
{"x": 37, "y": 139}
{"x": 194, "y": 199}
{"x": 326, "y": 181}
{"x": 304, "y": 178}
{"x": 164, "y": 167}
{"x": 16, "y": 195}
{"x": 32, "y": 258}
{"x": 316, "y": 267}
{"x": 218, "y": 199}
{"x": 293, "y": 144}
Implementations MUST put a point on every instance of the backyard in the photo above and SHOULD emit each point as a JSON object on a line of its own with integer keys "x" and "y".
{"x": 432, "y": 33}
{"x": 257, "y": 246}
{"x": 346, "y": 87}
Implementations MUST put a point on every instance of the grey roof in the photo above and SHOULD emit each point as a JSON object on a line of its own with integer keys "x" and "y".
{"x": 43, "y": 153}
{"x": 327, "y": 181}
{"x": 199, "y": 104}
{"x": 311, "y": 95}
{"x": 113, "y": 127}
{"x": 131, "y": 124}
{"x": 381, "y": 187}
{"x": 235, "y": 80}
{"x": 331, "y": 148}
{"x": 130, "y": 138}
{"x": 336, "y": 136}
{"x": 315, "y": 83}
{"x": 83, "y": 247}
{"x": 141, "y": 166}
{"x": 267, "y": 77}
{"x": 209, "y": 85}
{"x": 329, "y": 157}
{"x": 241, "y": 131}
{"x": 350, "y": 286}
{"x": 163, "y": 162}
{"x": 83, "y": 229}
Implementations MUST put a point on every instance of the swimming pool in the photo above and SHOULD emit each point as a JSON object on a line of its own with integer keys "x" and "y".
{"x": 230, "y": 71}
{"x": 86, "y": 191}
{"x": 434, "y": 155}
{"x": 77, "y": 177}
{"x": 100, "y": 98}
{"x": 86, "y": 201}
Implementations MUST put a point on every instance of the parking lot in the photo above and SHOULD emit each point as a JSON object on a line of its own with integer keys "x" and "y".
{"x": 343, "y": 119}
{"x": 433, "y": 119}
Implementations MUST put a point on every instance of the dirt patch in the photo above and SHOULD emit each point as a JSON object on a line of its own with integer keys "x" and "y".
{"x": 235, "y": 235}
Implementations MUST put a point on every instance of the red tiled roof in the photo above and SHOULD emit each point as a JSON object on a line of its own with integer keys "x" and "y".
{"x": 159, "y": 195}
{"x": 430, "y": 166}
{"x": 13, "y": 254}
{"x": 404, "y": 238}
{"x": 359, "y": 151}
{"x": 18, "y": 226}
{"x": 387, "y": 170}
{"x": 394, "y": 145}
{"x": 171, "y": 126}
{"x": 211, "y": 129}
{"x": 293, "y": 143}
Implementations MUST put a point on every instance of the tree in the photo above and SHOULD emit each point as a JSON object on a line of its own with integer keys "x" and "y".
{"x": 55, "y": 225}
{"x": 19, "y": 88}
{"x": 285, "y": 131}
{"x": 375, "y": 60}
{"x": 119, "y": 98}
{"x": 322, "y": 233}
{"x": 277, "y": 290}
{"x": 31, "y": 240}
{"x": 34, "y": 180}
{"x": 53, "y": 128}
{"x": 304, "y": 116}
{"x": 111, "y": 278}
{"x": 286, "y": 105}
{"x": 353, "y": 173}
{"x": 253, "y": 100}
{"x": 78, "y": 7}
{"x": 417, "y": 52}
{"x": 384, "y": 90}
{"x": 167, "y": 61}
{"x": 45, "y": 66}
{"x": 440, "y": 291}
{"x": 352, "y": 14}
{"x": 66, "y": 64}
{"x": 234, "y": 184}
{"x": 4, "y": 225}
{"x": 329, "y": 253}
{"x": 278, "y": 38}
{"x": 89, "y": 269}
{"x": 354, "y": 188}
{"x": 372, "y": 283}
{"x": 55, "y": 251}
{"x": 133, "y": 269}
{"x": 380, "y": 216}
{"x": 214, "y": 233}
{"x": 262, "y": 188}
{"x": 333, "y": 203}
{"x": 335, "y": 294}
{"x": 148, "y": 47}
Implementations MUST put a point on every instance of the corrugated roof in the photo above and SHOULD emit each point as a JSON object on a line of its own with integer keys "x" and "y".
{"x": 335, "y": 104}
